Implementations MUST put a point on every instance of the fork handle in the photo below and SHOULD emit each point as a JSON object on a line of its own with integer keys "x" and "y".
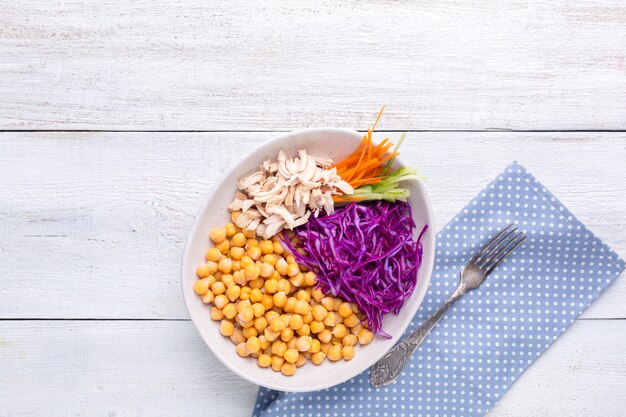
{"x": 386, "y": 370}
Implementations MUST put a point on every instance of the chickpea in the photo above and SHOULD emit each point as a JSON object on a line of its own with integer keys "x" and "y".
{"x": 249, "y": 233}
{"x": 296, "y": 322}
{"x": 336, "y": 303}
{"x": 247, "y": 314}
{"x": 310, "y": 279}
{"x": 301, "y": 360}
{"x": 319, "y": 312}
{"x": 278, "y": 248}
{"x": 254, "y": 252}
{"x": 267, "y": 301}
{"x": 331, "y": 319}
{"x": 213, "y": 255}
{"x": 225, "y": 265}
{"x": 345, "y": 310}
{"x": 303, "y": 295}
{"x": 284, "y": 286}
{"x": 324, "y": 336}
{"x": 286, "y": 334}
{"x": 266, "y": 247}
{"x": 289, "y": 306}
{"x": 256, "y": 283}
{"x": 301, "y": 307}
{"x": 240, "y": 277}
{"x": 349, "y": 340}
{"x": 208, "y": 297}
{"x": 281, "y": 266}
{"x": 241, "y": 350}
{"x": 277, "y": 363}
{"x": 200, "y": 287}
{"x": 226, "y": 327}
{"x": 216, "y": 314}
{"x": 238, "y": 240}
{"x": 290, "y": 259}
{"x": 252, "y": 272}
{"x": 271, "y": 286}
{"x": 317, "y": 327}
{"x": 260, "y": 324}
{"x": 305, "y": 330}
{"x": 292, "y": 269}
{"x": 291, "y": 355}
{"x": 245, "y": 261}
{"x": 223, "y": 247}
{"x": 264, "y": 360}
{"x": 266, "y": 270}
{"x": 288, "y": 369}
{"x": 315, "y": 346}
{"x": 325, "y": 347}
{"x": 236, "y": 253}
{"x": 229, "y": 311}
{"x": 351, "y": 321}
{"x": 220, "y": 301}
{"x": 339, "y": 331}
{"x": 328, "y": 303}
{"x": 303, "y": 343}
{"x": 270, "y": 259}
{"x": 308, "y": 318}
{"x": 264, "y": 343}
{"x": 258, "y": 309}
{"x": 291, "y": 344}
{"x": 203, "y": 271}
{"x": 237, "y": 337}
{"x": 253, "y": 344}
{"x": 335, "y": 353}
{"x": 234, "y": 215}
{"x": 227, "y": 280}
{"x": 279, "y": 348}
{"x": 249, "y": 332}
{"x": 365, "y": 336}
{"x": 317, "y": 358}
{"x": 347, "y": 352}
{"x": 212, "y": 266}
{"x": 218, "y": 234}
{"x": 230, "y": 229}
{"x": 271, "y": 315}
{"x": 297, "y": 280}
{"x": 278, "y": 324}
{"x": 233, "y": 292}
{"x": 270, "y": 335}
{"x": 280, "y": 299}
{"x": 256, "y": 295}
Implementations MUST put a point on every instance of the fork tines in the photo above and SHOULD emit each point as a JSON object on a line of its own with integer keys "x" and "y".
{"x": 498, "y": 248}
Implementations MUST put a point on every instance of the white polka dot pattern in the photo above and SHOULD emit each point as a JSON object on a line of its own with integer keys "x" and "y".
{"x": 493, "y": 333}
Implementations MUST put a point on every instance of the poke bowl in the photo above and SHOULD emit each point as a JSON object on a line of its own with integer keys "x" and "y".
{"x": 330, "y": 144}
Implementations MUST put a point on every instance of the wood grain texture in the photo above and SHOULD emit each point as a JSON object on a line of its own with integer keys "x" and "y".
{"x": 214, "y": 65}
{"x": 163, "y": 369}
{"x": 92, "y": 225}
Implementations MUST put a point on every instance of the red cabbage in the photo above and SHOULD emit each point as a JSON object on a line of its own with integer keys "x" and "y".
{"x": 363, "y": 253}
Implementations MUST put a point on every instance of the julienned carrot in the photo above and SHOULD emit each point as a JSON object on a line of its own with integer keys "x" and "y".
{"x": 368, "y": 163}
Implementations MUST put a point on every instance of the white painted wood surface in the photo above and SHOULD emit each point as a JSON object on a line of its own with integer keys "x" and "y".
{"x": 93, "y": 221}
{"x": 235, "y": 65}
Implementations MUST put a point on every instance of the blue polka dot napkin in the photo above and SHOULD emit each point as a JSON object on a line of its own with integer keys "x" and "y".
{"x": 493, "y": 333}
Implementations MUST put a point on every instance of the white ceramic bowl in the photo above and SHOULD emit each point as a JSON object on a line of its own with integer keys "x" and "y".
{"x": 324, "y": 142}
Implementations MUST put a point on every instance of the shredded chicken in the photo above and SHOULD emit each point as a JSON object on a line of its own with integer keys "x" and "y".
{"x": 284, "y": 193}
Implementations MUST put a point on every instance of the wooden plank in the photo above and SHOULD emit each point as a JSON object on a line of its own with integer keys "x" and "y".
{"x": 160, "y": 368}
{"x": 92, "y": 225}
{"x": 214, "y": 65}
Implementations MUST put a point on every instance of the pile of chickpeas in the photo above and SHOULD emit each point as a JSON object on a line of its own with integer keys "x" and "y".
{"x": 269, "y": 307}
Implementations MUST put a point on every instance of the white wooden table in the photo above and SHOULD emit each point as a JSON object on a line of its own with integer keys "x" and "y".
{"x": 117, "y": 117}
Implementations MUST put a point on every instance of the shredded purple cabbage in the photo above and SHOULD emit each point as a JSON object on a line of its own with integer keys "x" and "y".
{"x": 363, "y": 253}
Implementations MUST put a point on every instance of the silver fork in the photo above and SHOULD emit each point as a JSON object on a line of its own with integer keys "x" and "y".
{"x": 386, "y": 370}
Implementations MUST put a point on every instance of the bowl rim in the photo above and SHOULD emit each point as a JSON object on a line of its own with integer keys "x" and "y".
{"x": 203, "y": 208}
